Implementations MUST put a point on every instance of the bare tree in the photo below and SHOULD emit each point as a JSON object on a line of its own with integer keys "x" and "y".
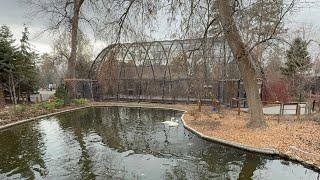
{"x": 71, "y": 74}
{"x": 214, "y": 18}
{"x": 245, "y": 60}
{"x": 107, "y": 18}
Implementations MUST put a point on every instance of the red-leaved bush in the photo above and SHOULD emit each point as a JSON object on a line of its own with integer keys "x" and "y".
{"x": 276, "y": 90}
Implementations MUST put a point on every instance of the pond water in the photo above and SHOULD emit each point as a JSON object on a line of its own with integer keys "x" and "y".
{"x": 128, "y": 143}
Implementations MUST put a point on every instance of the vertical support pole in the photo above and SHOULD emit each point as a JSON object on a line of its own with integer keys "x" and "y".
{"x": 238, "y": 94}
{"x": 298, "y": 111}
{"x": 163, "y": 86}
{"x": 91, "y": 89}
{"x": 218, "y": 96}
{"x": 238, "y": 107}
{"x": 280, "y": 108}
{"x": 199, "y": 105}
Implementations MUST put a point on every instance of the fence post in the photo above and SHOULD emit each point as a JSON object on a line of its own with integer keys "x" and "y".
{"x": 238, "y": 107}
{"x": 199, "y": 105}
{"x": 298, "y": 111}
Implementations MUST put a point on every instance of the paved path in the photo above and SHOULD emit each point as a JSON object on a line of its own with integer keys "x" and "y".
{"x": 44, "y": 93}
{"x": 273, "y": 110}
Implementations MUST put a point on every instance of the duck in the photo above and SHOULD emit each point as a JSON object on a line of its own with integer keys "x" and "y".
{"x": 172, "y": 122}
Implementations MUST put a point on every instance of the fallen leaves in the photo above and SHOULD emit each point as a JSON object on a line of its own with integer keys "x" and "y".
{"x": 281, "y": 134}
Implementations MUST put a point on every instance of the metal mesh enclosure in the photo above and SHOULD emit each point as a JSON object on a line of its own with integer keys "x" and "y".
{"x": 178, "y": 70}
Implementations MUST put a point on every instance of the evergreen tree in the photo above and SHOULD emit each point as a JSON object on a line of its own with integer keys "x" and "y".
{"x": 29, "y": 71}
{"x": 7, "y": 49}
{"x": 298, "y": 59}
{"x": 8, "y": 61}
{"x": 18, "y": 70}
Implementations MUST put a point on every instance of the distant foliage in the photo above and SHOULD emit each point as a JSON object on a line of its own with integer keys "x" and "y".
{"x": 62, "y": 93}
{"x": 80, "y": 101}
{"x": 18, "y": 64}
{"x": 58, "y": 103}
{"x": 298, "y": 59}
{"x": 47, "y": 106}
{"x": 18, "y": 109}
{"x": 276, "y": 90}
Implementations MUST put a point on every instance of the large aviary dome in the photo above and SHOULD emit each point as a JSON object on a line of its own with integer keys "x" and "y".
{"x": 166, "y": 70}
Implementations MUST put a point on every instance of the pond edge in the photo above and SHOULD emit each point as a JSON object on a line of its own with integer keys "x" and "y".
{"x": 265, "y": 151}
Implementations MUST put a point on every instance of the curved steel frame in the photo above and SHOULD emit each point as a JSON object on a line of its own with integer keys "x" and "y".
{"x": 208, "y": 63}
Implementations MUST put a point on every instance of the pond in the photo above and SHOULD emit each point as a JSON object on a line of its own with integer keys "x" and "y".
{"x": 128, "y": 143}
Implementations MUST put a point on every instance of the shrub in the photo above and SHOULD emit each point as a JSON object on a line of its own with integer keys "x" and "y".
{"x": 48, "y": 106}
{"x": 36, "y": 107}
{"x": 81, "y": 101}
{"x": 276, "y": 90}
{"x": 58, "y": 103}
{"x": 62, "y": 93}
{"x": 17, "y": 109}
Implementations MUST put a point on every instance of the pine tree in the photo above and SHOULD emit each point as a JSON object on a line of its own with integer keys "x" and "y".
{"x": 7, "y": 49}
{"x": 18, "y": 69}
{"x": 8, "y": 62}
{"x": 298, "y": 59}
{"x": 29, "y": 72}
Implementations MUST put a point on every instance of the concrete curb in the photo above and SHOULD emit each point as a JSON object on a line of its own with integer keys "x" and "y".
{"x": 230, "y": 143}
{"x": 266, "y": 151}
{"x": 40, "y": 117}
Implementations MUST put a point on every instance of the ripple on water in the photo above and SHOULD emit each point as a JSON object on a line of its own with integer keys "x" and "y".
{"x": 128, "y": 143}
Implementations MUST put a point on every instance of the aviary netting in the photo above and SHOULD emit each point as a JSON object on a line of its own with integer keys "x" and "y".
{"x": 177, "y": 70}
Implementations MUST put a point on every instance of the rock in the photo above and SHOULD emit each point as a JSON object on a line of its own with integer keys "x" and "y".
{"x": 171, "y": 123}
{"x": 128, "y": 153}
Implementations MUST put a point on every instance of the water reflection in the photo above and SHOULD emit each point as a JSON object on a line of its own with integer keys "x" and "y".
{"x": 21, "y": 152}
{"x": 127, "y": 143}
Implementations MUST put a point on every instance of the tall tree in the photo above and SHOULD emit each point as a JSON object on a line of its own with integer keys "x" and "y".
{"x": 245, "y": 62}
{"x": 298, "y": 58}
{"x": 248, "y": 27}
{"x": 8, "y": 58}
{"x": 63, "y": 15}
{"x": 29, "y": 71}
{"x": 105, "y": 17}
{"x": 71, "y": 85}
{"x": 62, "y": 47}
{"x": 21, "y": 73}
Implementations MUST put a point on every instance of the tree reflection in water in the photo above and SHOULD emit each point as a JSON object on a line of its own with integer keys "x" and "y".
{"x": 21, "y": 152}
{"x": 123, "y": 143}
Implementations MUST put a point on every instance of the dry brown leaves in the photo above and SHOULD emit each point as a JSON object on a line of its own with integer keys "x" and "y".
{"x": 297, "y": 138}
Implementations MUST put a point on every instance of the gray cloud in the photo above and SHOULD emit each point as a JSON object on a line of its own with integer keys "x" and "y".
{"x": 14, "y": 14}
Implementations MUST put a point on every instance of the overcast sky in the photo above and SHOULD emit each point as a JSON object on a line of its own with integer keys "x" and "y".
{"x": 13, "y": 14}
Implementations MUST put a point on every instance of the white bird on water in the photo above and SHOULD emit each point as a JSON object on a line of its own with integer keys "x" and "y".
{"x": 172, "y": 122}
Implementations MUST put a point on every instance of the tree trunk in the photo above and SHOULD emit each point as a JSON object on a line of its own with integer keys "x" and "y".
{"x": 71, "y": 74}
{"x": 2, "y": 96}
{"x": 245, "y": 65}
{"x": 12, "y": 89}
